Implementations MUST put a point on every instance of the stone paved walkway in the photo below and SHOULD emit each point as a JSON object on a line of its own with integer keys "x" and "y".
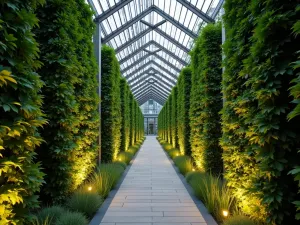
{"x": 152, "y": 193}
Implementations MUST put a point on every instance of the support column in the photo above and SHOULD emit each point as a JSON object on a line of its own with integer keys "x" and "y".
{"x": 97, "y": 49}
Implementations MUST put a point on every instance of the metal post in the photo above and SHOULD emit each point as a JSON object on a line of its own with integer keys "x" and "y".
{"x": 97, "y": 49}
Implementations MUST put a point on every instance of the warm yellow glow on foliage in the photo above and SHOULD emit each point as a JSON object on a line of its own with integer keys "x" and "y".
{"x": 193, "y": 169}
{"x": 90, "y": 188}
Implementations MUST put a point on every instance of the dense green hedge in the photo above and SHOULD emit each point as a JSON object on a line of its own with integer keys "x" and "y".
{"x": 110, "y": 105}
{"x": 69, "y": 72}
{"x": 170, "y": 119}
{"x": 183, "y": 105}
{"x": 20, "y": 103}
{"x": 174, "y": 117}
{"x": 125, "y": 112}
{"x": 206, "y": 100}
{"x": 259, "y": 50}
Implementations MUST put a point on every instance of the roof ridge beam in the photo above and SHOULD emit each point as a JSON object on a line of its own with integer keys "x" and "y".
{"x": 196, "y": 11}
{"x": 144, "y": 82}
{"x": 163, "y": 92}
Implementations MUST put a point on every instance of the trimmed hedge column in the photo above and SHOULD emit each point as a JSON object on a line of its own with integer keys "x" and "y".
{"x": 21, "y": 116}
{"x": 174, "y": 117}
{"x": 125, "y": 112}
{"x": 110, "y": 105}
{"x": 206, "y": 100}
{"x": 183, "y": 105}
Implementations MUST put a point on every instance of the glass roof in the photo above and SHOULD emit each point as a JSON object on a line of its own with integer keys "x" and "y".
{"x": 152, "y": 39}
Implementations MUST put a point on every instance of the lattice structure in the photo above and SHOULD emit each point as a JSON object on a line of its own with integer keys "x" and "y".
{"x": 152, "y": 39}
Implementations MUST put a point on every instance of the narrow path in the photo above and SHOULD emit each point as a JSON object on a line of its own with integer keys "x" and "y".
{"x": 152, "y": 193}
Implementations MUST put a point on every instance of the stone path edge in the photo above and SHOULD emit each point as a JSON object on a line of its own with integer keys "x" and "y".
{"x": 206, "y": 215}
{"x": 105, "y": 205}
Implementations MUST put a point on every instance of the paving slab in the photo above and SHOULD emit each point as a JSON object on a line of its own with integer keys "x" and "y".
{"x": 152, "y": 193}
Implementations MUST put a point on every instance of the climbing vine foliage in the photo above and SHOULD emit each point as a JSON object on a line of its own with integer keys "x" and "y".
{"x": 21, "y": 116}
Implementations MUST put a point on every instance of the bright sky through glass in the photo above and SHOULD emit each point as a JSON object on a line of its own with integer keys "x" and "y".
{"x": 150, "y": 73}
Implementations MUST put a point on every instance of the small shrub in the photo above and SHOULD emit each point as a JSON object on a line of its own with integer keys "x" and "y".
{"x": 173, "y": 153}
{"x": 105, "y": 178}
{"x": 239, "y": 220}
{"x": 167, "y": 146}
{"x": 86, "y": 203}
{"x": 49, "y": 215}
{"x": 132, "y": 149}
{"x": 125, "y": 157}
{"x": 120, "y": 163}
{"x": 72, "y": 218}
{"x": 215, "y": 195}
{"x": 184, "y": 163}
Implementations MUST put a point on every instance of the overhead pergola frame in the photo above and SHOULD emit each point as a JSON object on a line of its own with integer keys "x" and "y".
{"x": 152, "y": 39}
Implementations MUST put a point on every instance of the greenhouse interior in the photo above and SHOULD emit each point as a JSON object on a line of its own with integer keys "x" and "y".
{"x": 149, "y": 112}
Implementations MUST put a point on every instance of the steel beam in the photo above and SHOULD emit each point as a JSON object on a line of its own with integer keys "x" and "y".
{"x": 161, "y": 91}
{"x": 91, "y": 3}
{"x": 196, "y": 11}
{"x": 146, "y": 56}
{"x": 134, "y": 86}
{"x": 217, "y": 9}
{"x": 112, "y": 10}
{"x": 156, "y": 72}
{"x": 154, "y": 90}
{"x": 163, "y": 94}
{"x": 154, "y": 96}
{"x": 142, "y": 48}
{"x": 174, "y": 22}
{"x": 156, "y": 64}
{"x": 144, "y": 83}
{"x": 143, "y": 33}
{"x": 127, "y": 25}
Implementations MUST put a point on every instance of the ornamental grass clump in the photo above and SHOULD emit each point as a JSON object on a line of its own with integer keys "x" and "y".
{"x": 184, "y": 163}
{"x": 105, "y": 178}
{"x": 215, "y": 195}
{"x": 167, "y": 146}
{"x": 85, "y": 202}
{"x": 72, "y": 218}
{"x": 239, "y": 220}
{"x": 49, "y": 215}
{"x": 121, "y": 164}
{"x": 133, "y": 149}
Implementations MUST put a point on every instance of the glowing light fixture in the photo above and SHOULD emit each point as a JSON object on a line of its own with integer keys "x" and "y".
{"x": 225, "y": 213}
{"x": 90, "y": 188}
{"x": 193, "y": 169}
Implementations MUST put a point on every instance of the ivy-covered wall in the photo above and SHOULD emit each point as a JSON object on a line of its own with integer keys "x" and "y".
{"x": 206, "y": 100}
{"x": 69, "y": 72}
{"x": 110, "y": 105}
{"x": 20, "y": 110}
{"x": 183, "y": 105}
{"x": 260, "y": 49}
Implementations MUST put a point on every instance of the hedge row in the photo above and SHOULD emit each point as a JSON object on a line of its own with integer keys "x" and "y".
{"x": 260, "y": 136}
{"x": 53, "y": 40}
{"x": 20, "y": 110}
{"x": 121, "y": 117}
{"x": 259, "y": 50}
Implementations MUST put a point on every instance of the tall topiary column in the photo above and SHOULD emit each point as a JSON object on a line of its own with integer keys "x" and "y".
{"x": 174, "y": 117}
{"x": 206, "y": 100}
{"x": 20, "y": 110}
{"x": 125, "y": 107}
{"x": 183, "y": 105}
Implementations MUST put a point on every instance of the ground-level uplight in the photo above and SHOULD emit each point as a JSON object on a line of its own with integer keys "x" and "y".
{"x": 225, "y": 213}
{"x": 90, "y": 188}
{"x": 193, "y": 169}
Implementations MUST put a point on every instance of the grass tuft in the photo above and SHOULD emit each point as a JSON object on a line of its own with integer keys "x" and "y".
{"x": 215, "y": 195}
{"x": 239, "y": 220}
{"x": 105, "y": 178}
{"x": 50, "y": 214}
{"x": 184, "y": 163}
{"x": 72, "y": 218}
{"x": 132, "y": 149}
{"x": 121, "y": 164}
{"x": 167, "y": 146}
{"x": 86, "y": 203}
